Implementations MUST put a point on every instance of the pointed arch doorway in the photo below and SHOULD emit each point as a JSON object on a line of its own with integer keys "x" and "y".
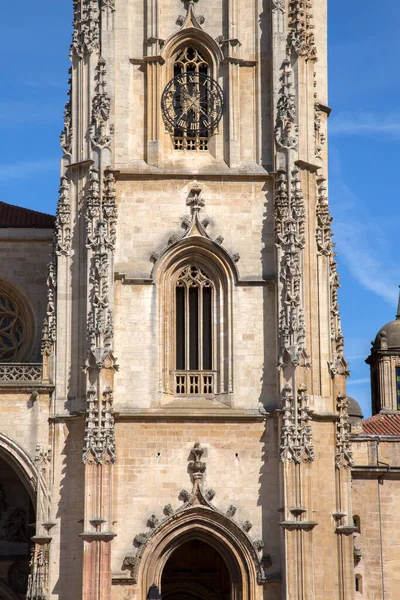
{"x": 196, "y": 571}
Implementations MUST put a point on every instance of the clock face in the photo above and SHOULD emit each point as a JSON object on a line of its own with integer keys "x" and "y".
{"x": 192, "y": 103}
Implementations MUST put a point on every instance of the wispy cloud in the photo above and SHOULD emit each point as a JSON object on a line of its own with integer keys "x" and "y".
{"x": 361, "y": 381}
{"x": 365, "y": 123}
{"x": 27, "y": 169}
{"x": 361, "y": 241}
{"x": 43, "y": 82}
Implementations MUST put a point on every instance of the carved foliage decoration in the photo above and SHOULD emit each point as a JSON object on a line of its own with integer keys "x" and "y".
{"x": 101, "y": 218}
{"x": 344, "y": 454}
{"x": 319, "y": 136}
{"x": 63, "y": 220}
{"x": 296, "y": 432}
{"x": 49, "y": 332}
{"x": 286, "y": 131}
{"x": 86, "y": 35}
{"x": 197, "y": 498}
{"x": 99, "y": 444}
{"x": 301, "y": 37}
{"x": 324, "y": 219}
{"x": 289, "y": 240}
{"x": 326, "y": 248}
{"x": 66, "y": 134}
{"x": 100, "y": 129}
{"x": 39, "y": 575}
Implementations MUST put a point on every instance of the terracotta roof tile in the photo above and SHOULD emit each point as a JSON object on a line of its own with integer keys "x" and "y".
{"x": 16, "y": 216}
{"x": 382, "y": 424}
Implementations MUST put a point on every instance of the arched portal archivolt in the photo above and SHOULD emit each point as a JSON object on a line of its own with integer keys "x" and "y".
{"x": 6, "y": 593}
{"x": 213, "y": 528}
{"x": 23, "y": 465}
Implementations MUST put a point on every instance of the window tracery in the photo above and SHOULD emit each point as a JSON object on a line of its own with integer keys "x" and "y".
{"x": 193, "y": 325}
{"x": 11, "y": 329}
{"x": 15, "y": 330}
{"x": 189, "y": 60}
{"x": 195, "y": 305}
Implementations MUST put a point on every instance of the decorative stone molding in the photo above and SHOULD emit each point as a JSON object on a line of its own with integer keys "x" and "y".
{"x": 301, "y": 37}
{"x": 296, "y": 433}
{"x": 66, "y": 134}
{"x": 108, "y": 5}
{"x": 101, "y": 218}
{"x": 86, "y": 34}
{"x": 38, "y": 580}
{"x": 20, "y": 373}
{"x": 100, "y": 130}
{"x": 42, "y": 457}
{"x": 195, "y": 501}
{"x": 344, "y": 454}
{"x": 63, "y": 220}
{"x": 193, "y": 226}
{"x": 319, "y": 136}
{"x": 338, "y": 364}
{"x": 49, "y": 331}
{"x": 289, "y": 213}
{"x": 324, "y": 219}
{"x": 286, "y": 130}
{"x": 99, "y": 442}
{"x": 278, "y": 5}
{"x": 325, "y": 247}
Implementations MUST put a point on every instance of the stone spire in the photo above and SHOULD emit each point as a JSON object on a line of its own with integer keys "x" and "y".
{"x": 398, "y": 306}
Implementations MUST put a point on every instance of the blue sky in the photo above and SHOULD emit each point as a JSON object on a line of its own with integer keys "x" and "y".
{"x": 364, "y": 145}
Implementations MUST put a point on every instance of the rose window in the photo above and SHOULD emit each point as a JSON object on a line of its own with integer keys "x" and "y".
{"x": 11, "y": 330}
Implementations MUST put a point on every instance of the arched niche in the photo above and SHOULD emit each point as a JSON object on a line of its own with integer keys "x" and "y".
{"x": 211, "y": 528}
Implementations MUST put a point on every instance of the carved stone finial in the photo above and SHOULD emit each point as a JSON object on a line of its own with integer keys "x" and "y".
{"x": 194, "y": 199}
{"x": 344, "y": 454}
{"x": 99, "y": 442}
{"x": 196, "y": 466}
{"x": 296, "y": 433}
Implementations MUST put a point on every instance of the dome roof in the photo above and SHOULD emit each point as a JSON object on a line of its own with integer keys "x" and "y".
{"x": 354, "y": 408}
{"x": 388, "y": 337}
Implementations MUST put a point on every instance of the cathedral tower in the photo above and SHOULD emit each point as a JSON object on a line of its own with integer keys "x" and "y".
{"x": 198, "y": 419}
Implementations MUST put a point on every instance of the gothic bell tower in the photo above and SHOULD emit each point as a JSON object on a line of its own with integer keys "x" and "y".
{"x": 199, "y": 413}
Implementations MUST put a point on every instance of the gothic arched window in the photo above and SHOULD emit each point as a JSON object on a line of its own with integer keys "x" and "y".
{"x": 193, "y": 323}
{"x": 196, "y": 320}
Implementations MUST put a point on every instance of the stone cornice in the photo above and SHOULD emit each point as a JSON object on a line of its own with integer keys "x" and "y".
{"x": 205, "y": 175}
{"x": 299, "y": 525}
{"x": 174, "y": 414}
{"x": 97, "y": 536}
